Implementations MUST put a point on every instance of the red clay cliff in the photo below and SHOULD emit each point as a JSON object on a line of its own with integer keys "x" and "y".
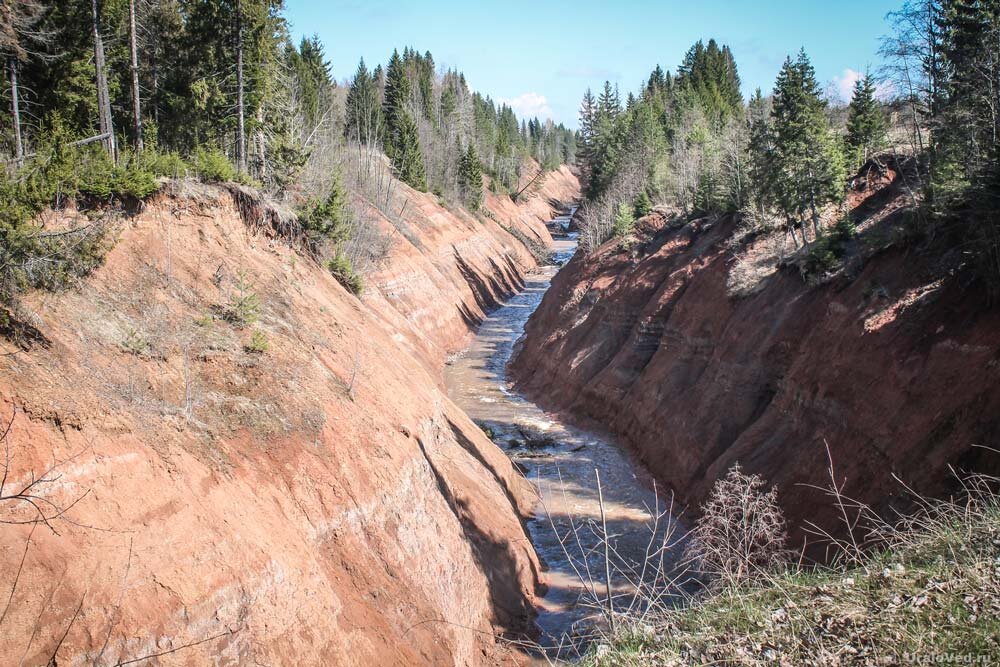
{"x": 320, "y": 502}
{"x": 892, "y": 363}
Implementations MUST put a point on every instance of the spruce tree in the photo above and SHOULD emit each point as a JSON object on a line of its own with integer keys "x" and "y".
{"x": 866, "y": 124}
{"x": 761, "y": 148}
{"x": 808, "y": 168}
{"x": 643, "y": 205}
{"x": 402, "y": 142}
{"x": 470, "y": 178}
{"x": 407, "y": 157}
{"x": 585, "y": 138}
{"x": 363, "y": 112}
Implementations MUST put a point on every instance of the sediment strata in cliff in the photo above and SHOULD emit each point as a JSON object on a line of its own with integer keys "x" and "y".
{"x": 692, "y": 346}
{"x": 321, "y": 502}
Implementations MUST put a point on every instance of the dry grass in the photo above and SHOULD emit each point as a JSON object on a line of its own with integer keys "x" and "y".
{"x": 922, "y": 590}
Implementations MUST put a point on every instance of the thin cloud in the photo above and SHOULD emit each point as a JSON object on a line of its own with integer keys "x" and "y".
{"x": 529, "y": 105}
{"x": 843, "y": 86}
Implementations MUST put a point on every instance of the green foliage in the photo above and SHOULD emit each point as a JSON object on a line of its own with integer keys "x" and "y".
{"x": 407, "y": 158}
{"x": 866, "y": 122}
{"x": 135, "y": 343}
{"x": 167, "y": 165}
{"x": 364, "y": 114}
{"x": 243, "y": 308}
{"x": 829, "y": 249}
{"x": 624, "y": 220}
{"x": 327, "y": 220}
{"x": 212, "y": 166}
{"x": 30, "y": 257}
{"x": 679, "y": 139}
{"x": 470, "y": 178}
{"x": 643, "y": 205}
{"x": 402, "y": 141}
{"x": 806, "y": 162}
{"x": 258, "y": 343}
{"x": 101, "y": 178}
{"x": 710, "y": 74}
{"x": 342, "y": 269}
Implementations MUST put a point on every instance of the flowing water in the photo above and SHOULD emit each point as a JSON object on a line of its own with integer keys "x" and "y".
{"x": 564, "y": 463}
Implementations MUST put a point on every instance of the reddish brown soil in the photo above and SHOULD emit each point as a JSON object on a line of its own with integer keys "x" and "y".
{"x": 894, "y": 366}
{"x": 321, "y": 503}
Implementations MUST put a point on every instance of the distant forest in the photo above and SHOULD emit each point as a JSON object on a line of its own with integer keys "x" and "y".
{"x": 690, "y": 140}
{"x": 108, "y": 96}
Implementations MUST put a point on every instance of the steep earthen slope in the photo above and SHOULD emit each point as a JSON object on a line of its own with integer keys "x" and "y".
{"x": 892, "y": 365}
{"x": 322, "y": 502}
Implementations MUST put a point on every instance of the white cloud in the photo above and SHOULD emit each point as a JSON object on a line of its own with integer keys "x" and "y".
{"x": 843, "y": 85}
{"x": 529, "y": 105}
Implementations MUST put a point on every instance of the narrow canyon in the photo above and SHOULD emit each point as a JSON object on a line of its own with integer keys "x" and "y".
{"x": 325, "y": 500}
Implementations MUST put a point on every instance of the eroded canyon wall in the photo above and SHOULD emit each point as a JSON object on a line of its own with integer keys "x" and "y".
{"x": 891, "y": 363}
{"x": 320, "y": 502}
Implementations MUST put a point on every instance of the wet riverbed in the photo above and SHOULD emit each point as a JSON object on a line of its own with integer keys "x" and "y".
{"x": 564, "y": 463}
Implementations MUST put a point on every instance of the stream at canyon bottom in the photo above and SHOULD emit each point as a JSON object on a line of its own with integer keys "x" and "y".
{"x": 561, "y": 460}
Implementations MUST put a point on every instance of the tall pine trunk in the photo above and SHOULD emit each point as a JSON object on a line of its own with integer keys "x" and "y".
{"x": 15, "y": 110}
{"x": 103, "y": 97}
{"x": 134, "y": 66}
{"x": 241, "y": 138}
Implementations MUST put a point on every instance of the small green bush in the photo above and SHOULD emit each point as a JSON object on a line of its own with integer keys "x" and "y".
{"x": 829, "y": 249}
{"x": 624, "y": 220}
{"x": 135, "y": 343}
{"x": 643, "y": 205}
{"x": 212, "y": 166}
{"x": 258, "y": 343}
{"x": 243, "y": 308}
{"x": 101, "y": 178}
{"x": 342, "y": 269}
{"x": 169, "y": 165}
{"x": 327, "y": 220}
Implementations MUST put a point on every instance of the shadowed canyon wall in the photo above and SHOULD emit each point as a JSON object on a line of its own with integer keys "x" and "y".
{"x": 892, "y": 365}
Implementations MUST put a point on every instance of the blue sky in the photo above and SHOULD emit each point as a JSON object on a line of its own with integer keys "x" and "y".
{"x": 540, "y": 56}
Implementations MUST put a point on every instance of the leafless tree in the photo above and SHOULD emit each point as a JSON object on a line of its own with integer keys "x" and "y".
{"x": 740, "y": 534}
{"x": 134, "y": 71}
{"x": 18, "y": 37}
{"x": 33, "y": 494}
{"x": 241, "y": 134}
{"x": 101, "y": 78}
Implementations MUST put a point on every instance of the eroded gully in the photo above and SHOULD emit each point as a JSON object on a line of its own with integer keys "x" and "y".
{"x": 563, "y": 462}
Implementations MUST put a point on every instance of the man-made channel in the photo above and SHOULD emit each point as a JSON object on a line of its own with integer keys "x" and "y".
{"x": 564, "y": 463}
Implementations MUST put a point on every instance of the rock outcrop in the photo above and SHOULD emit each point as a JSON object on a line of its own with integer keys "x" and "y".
{"x": 701, "y": 357}
{"x": 320, "y": 502}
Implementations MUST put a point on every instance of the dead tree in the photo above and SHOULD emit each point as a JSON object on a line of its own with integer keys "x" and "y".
{"x": 134, "y": 67}
{"x": 17, "y": 29}
{"x": 15, "y": 110}
{"x": 103, "y": 96}
{"x": 241, "y": 135}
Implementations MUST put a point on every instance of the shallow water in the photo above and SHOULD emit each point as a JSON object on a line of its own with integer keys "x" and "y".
{"x": 563, "y": 462}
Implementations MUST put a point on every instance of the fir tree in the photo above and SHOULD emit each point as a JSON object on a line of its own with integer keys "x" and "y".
{"x": 807, "y": 166}
{"x": 363, "y": 113}
{"x": 585, "y": 137}
{"x": 761, "y": 148}
{"x": 866, "y": 124}
{"x": 407, "y": 157}
{"x": 470, "y": 178}
{"x": 643, "y": 205}
{"x": 402, "y": 142}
